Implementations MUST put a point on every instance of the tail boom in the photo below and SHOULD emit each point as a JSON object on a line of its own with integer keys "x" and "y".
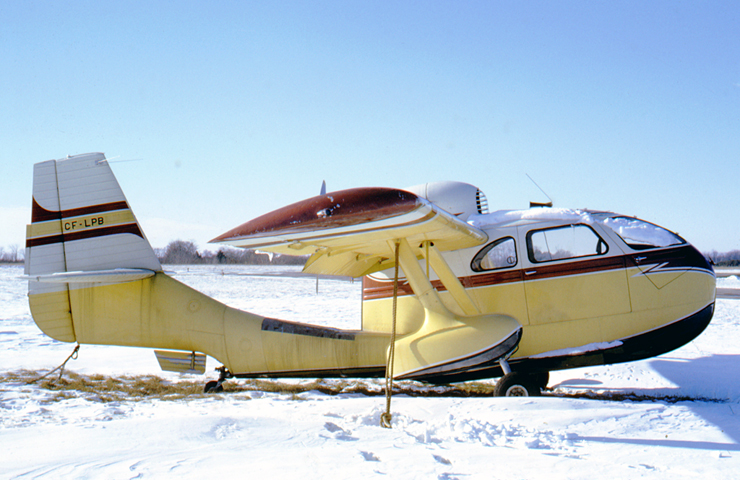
{"x": 94, "y": 279}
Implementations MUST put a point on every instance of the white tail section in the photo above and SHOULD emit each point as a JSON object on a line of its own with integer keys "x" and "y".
{"x": 80, "y": 222}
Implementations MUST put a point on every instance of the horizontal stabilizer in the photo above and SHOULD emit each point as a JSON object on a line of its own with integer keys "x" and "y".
{"x": 118, "y": 275}
{"x": 728, "y": 293}
{"x": 726, "y": 271}
{"x": 182, "y": 362}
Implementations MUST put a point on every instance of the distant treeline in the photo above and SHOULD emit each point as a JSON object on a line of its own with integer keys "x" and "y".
{"x": 12, "y": 254}
{"x": 180, "y": 252}
{"x": 727, "y": 259}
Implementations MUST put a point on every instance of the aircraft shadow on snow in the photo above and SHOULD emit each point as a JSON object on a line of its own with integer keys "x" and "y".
{"x": 719, "y": 382}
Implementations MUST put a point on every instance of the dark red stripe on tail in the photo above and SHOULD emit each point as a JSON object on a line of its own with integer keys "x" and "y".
{"x": 40, "y": 214}
{"x": 98, "y": 232}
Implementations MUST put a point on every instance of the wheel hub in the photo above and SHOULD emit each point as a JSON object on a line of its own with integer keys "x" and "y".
{"x": 517, "y": 391}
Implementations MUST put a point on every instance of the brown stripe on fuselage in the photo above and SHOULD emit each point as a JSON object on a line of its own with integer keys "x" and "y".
{"x": 581, "y": 267}
{"x": 374, "y": 289}
{"x": 131, "y": 228}
{"x": 684, "y": 256}
{"x": 493, "y": 278}
{"x": 40, "y": 214}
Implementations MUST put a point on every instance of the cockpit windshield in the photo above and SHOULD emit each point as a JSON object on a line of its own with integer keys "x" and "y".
{"x": 641, "y": 235}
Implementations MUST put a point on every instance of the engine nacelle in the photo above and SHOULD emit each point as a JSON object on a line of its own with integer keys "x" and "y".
{"x": 457, "y": 198}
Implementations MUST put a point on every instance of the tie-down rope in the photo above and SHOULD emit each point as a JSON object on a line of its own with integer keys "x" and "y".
{"x": 385, "y": 418}
{"x": 72, "y": 355}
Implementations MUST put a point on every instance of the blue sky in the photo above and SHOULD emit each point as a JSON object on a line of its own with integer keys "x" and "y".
{"x": 216, "y": 112}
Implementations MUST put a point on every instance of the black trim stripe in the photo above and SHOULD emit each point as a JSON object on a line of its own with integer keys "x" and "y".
{"x": 477, "y": 361}
{"x": 292, "y": 328}
{"x": 685, "y": 256}
{"x": 377, "y": 371}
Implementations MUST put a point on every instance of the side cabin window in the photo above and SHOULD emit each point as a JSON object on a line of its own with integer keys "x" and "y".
{"x": 559, "y": 243}
{"x": 495, "y": 255}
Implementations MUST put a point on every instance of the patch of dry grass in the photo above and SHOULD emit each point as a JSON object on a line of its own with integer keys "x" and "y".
{"x": 363, "y": 387}
{"x": 103, "y": 388}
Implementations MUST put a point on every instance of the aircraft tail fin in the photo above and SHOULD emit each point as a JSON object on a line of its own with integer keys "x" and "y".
{"x": 80, "y": 222}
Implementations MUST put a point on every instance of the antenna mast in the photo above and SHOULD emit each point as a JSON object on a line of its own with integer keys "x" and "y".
{"x": 538, "y": 204}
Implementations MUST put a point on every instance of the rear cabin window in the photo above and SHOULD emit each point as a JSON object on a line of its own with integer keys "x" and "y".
{"x": 641, "y": 235}
{"x": 499, "y": 254}
{"x": 559, "y": 243}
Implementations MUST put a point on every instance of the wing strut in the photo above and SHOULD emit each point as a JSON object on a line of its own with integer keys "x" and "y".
{"x": 449, "y": 280}
{"x": 470, "y": 342}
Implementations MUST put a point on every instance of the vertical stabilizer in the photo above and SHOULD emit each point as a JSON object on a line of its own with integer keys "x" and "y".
{"x": 80, "y": 222}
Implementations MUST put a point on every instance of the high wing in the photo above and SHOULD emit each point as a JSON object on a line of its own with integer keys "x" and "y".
{"x": 352, "y": 232}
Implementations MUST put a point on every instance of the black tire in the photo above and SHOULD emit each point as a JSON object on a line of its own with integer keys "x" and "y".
{"x": 541, "y": 379}
{"x": 517, "y": 385}
{"x": 213, "y": 387}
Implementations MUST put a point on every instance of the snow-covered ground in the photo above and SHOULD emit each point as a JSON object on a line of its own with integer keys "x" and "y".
{"x": 683, "y": 419}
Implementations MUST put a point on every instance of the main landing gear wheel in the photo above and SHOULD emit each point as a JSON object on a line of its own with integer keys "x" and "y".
{"x": 518, "y": 385}
{"x": 541, "y": 379}
{"x": 213, "y": 387}
{"x": 216, "y": 386}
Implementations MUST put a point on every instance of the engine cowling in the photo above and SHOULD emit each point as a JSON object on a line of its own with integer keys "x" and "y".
{"x": 458, "y": 198}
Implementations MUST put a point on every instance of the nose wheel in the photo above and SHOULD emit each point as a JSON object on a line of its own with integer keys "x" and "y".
{"x": 518, "y": 384}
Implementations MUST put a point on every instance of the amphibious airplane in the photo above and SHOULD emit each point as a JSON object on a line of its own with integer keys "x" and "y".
{"x": 459, "y": 293}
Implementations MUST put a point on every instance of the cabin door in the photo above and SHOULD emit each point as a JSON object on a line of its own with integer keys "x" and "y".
{"x": 571, "y": 273}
